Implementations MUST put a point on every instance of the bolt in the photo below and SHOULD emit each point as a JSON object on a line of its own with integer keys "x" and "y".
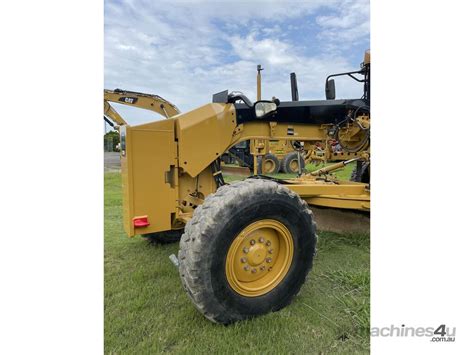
{"x": 268, "y": 243}
{"x": 252, "y": 242}
{"x": 262, "y": 267}
{"x": 254, "y": 271}
{"x": 269, "y": 260}
{"x": 270, "y": 251}
{"x": 244, "y": 260}
{"x": 261, "y": 240}
{"x": 246, "y": 268}
{"x": 246, "y": 250}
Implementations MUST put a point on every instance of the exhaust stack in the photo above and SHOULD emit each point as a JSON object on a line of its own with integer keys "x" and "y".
{"x": 294, "y": 87}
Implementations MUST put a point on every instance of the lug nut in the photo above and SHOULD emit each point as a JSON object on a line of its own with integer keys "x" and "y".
{"x": 254, "y": 271}
{"x": 268, "y": 243}
{"x": 244, "y": 260}
{"x": 270, "y": 268}
{"x": 262, "y": 267}
{"x": 270, "y": 251}
{"x": 261, "y": 240}
{"x": 252, "y": 242}
{"x": 246, "y": 250}
{"x": 246, "y": 268}
{"x": 269, "y": 260}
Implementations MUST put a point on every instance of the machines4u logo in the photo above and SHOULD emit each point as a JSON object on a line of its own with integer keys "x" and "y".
{"x": 441, "y": 333}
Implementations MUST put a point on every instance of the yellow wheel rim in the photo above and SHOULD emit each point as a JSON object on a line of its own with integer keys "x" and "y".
{"x": 268, "y": 166}
{"x": 294, "y": 165}
{"x": 259, "y": 258}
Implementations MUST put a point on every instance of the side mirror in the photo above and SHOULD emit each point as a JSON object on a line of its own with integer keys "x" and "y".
{"x": 330, "y": 89}
{"x": 264, "y": 108}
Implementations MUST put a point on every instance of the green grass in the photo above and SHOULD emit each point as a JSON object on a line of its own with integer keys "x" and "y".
{"x": 147, "y": 311}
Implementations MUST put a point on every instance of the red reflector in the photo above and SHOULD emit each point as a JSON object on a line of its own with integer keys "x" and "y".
{"x": 139, "y": 222}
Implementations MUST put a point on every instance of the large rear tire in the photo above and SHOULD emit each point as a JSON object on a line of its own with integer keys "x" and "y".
{"x": 290, "y": 163}
{"x": 247, "y": 250}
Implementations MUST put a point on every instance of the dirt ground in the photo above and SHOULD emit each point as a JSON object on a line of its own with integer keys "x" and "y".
{"x": 341, "y": 221}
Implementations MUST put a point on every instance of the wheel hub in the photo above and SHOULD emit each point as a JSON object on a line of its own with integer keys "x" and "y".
{"x": 269, "y": 166}
{"x": 294, "y": 165}
{"x": 259, "y": 258}
{"x": 257, "y": 254}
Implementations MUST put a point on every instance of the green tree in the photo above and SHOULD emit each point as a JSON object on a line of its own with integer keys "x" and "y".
{"x": 111, "y": 139}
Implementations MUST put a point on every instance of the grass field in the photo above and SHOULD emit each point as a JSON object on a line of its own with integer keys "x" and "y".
{"x": 147, "y": 311}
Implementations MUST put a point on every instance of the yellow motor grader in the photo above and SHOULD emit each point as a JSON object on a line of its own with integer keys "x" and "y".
{"x": 245, "y": 247}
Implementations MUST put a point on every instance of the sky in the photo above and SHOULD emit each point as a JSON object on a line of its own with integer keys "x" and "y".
{"x": 185, "y": 51}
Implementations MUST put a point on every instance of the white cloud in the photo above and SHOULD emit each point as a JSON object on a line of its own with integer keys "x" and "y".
{"x": 272, "y": 30}
{"x": 272, "y": 51}
{"x": 348, "y": 26}
{"x": 186, "y": 51}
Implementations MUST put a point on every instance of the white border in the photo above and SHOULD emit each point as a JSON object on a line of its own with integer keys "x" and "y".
{"x": 421, "y": 255}
{"x": 51, "y": 256}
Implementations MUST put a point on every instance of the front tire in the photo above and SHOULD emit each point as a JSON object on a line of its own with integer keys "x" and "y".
{"x": 247, "y": 250}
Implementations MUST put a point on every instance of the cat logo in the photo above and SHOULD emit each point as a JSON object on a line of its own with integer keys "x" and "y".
{"x": 128, "y": 100}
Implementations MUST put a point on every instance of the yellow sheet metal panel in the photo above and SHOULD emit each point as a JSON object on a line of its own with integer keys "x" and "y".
{"x": 151, "y": 152}
{"x": 280, "y": 148}
{"x": 361, "y": 204}
{"x": 346, "y": 195}
{"x": 262, "y": 130}
{"x": 311, "y": 189}
{"x": 204, "y": 134}
{"x": 126, "y": 187}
